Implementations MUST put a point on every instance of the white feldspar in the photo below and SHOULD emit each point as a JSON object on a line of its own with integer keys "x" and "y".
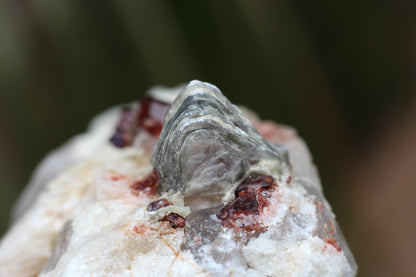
{"x": 80, "y": 217}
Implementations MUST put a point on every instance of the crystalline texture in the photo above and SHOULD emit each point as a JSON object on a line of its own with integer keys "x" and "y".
{"x": 207, "y": 143}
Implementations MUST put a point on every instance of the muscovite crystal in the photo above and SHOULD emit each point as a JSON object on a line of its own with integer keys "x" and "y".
{"x": 182, "y": 184}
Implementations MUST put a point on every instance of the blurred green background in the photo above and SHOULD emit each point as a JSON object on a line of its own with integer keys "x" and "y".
{"x": 341, "y": 72}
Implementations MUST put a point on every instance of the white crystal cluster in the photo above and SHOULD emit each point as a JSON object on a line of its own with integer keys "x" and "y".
{"x": 80, "y": 217}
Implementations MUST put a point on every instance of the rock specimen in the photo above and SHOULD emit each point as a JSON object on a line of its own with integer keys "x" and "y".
{"x": 193, "y": 186}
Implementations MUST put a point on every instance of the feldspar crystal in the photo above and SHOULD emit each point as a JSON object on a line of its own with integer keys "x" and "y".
{"x": 182, "y": 184}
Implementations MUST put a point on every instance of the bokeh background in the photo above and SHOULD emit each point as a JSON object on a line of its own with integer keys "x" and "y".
{"x": 342, "y": 72}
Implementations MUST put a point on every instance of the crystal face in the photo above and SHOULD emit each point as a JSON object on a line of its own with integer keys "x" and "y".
{"x": 207, "y": 143}
{"x": 208, "y": 189}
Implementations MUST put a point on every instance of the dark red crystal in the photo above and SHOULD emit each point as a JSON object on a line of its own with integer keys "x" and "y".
{"x": 151, "y": 114}
{"x": 149, "y": 117}
{"x": 158, "y": 204}
{"x": 252, "y": 196}
{"x": 255, "y": 183}
{"x": 126, "y": 128}
{"x": 175, "y": 220}
{"x": 148, "y": 185}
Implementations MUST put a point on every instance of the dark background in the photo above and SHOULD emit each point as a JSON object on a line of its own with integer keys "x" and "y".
{"x": 341, "y": 72}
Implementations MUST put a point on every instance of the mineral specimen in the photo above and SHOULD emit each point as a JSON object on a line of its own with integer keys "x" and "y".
{"x": 193, "y": 186}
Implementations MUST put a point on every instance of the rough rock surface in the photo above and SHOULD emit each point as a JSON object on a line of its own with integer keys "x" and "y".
{"x": 216, "y": 192}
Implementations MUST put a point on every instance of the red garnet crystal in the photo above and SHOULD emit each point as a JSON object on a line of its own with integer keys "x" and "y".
{"x": 149, "y": 117}
{"x": 148, "y": 185}
{"x": 175, "y": 220}
{"x": 126, "y": 128}
{"x": 158, "y": 204}
{"x": 243, "y": 213}
{"x": 151, "y": 114}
